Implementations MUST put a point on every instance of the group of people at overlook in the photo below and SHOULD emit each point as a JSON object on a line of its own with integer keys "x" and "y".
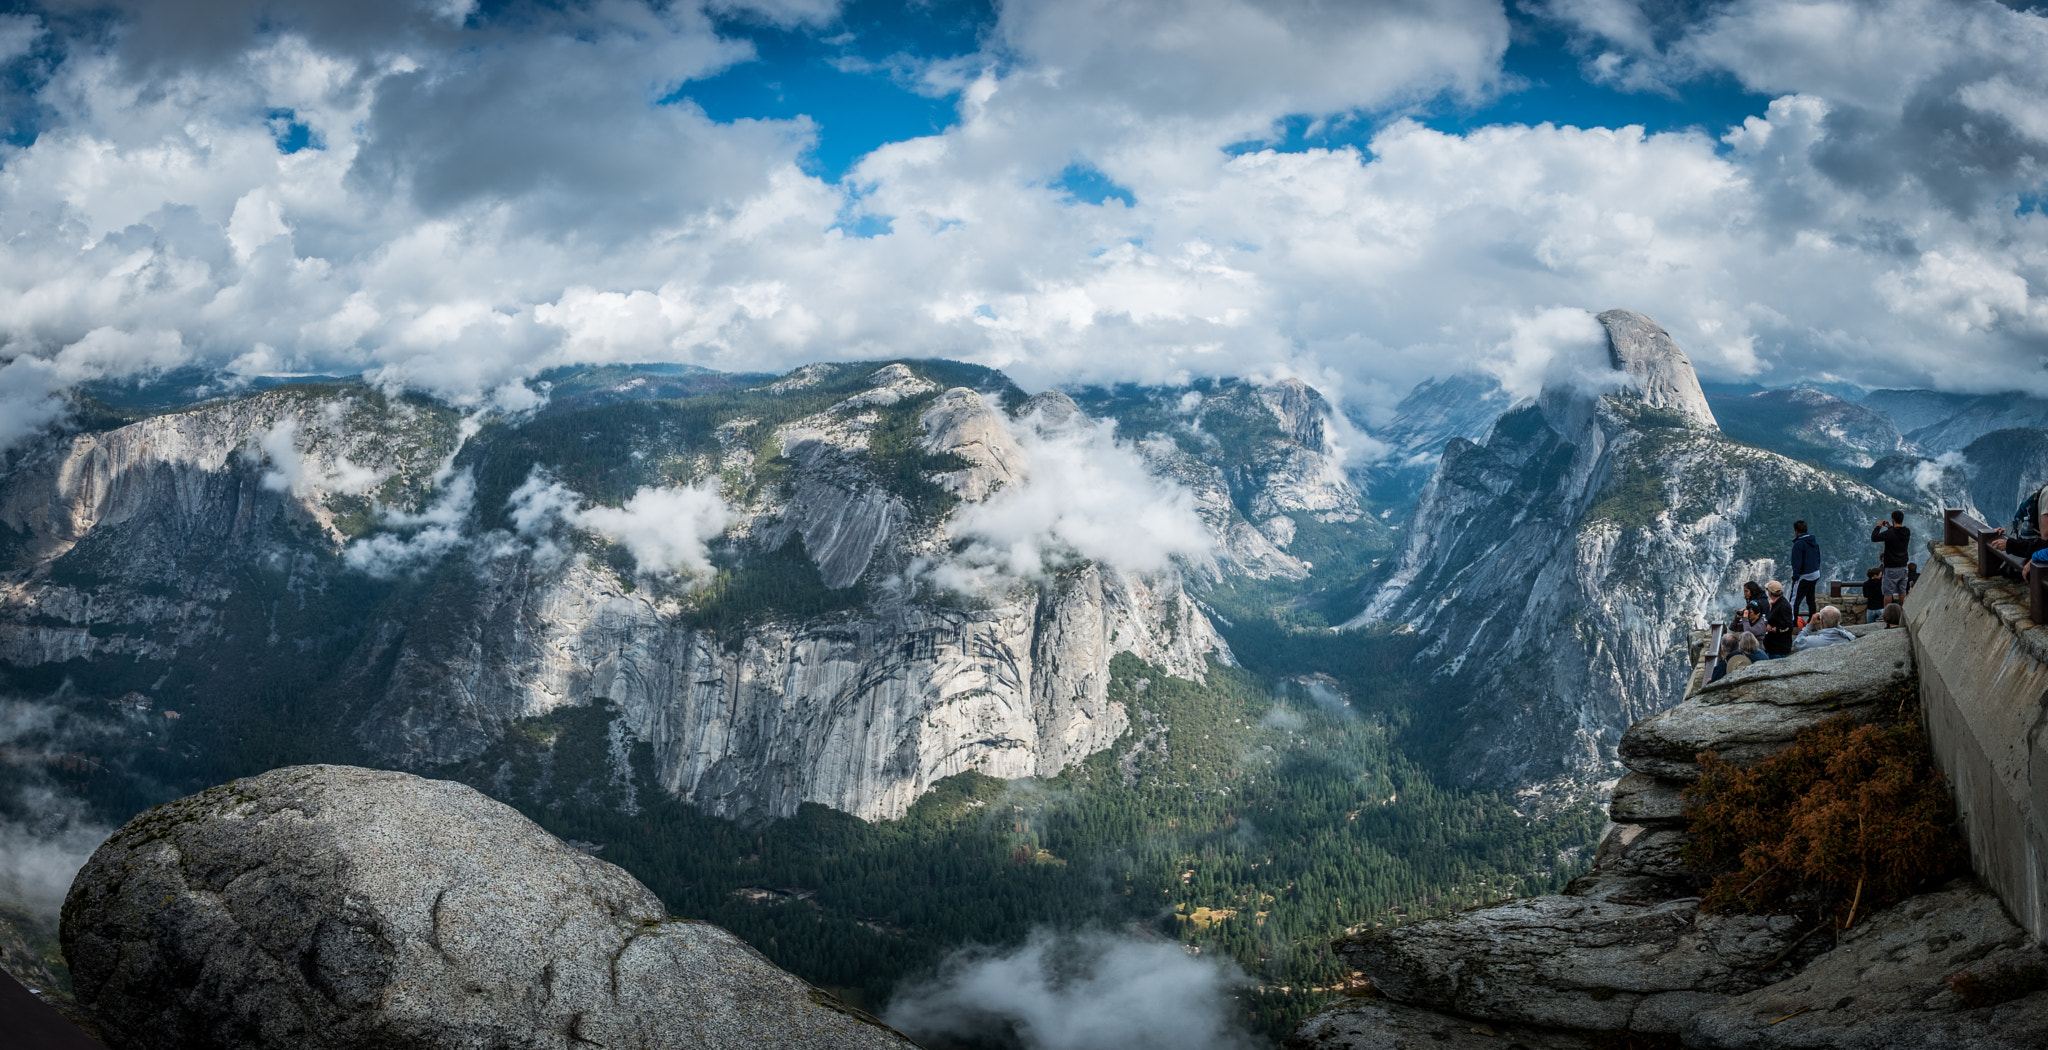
{"x": 1773, "y": 625}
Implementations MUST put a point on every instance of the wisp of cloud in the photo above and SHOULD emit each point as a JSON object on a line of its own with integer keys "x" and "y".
{"x": 1077, "y": 991}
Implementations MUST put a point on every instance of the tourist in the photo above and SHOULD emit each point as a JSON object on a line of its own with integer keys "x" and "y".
{"x": 1730, "y": 644}
{"x": 1805, "y": 567}
{"x": 1745, "y": 653}
{"x": 1873, "y": 596}
{"x": 1754, "y": 606}
{"x": 1912, "y": 575}
{"x": 1779, "y": 622}
{"x": 2030, "y": 549}
{"x": 1896, "y": 537}
{"x": 1891, "y": 617}
{"x": 1825, "y": 629}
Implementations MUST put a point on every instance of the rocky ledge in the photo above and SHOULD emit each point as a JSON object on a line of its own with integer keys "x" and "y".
{"x": 1625, "y": 956}
{"x": 320, "y": 907}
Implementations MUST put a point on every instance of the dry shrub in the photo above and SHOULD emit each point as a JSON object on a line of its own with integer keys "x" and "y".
{"x": 1847, "y": 820}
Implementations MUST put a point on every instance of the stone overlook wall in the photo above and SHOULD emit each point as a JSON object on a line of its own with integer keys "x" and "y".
{"x": 1984, "y": 688}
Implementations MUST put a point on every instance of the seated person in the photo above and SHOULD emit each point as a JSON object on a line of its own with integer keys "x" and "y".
{"x": 1728, "y": 649}
{"x": 1891, "y": 617}
{"x": 1745, "y": 653}
{"x": 2029, "y": 549}
{"x": 1825, "y": 629}
{"x": 1873, "y": 596}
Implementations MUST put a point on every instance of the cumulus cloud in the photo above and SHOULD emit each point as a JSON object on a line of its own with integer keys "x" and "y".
{"x": 1087, "y": 991}
{"x": 420, "y": 539}
{"x": 1559, "y": 347}
{"x": 1085, "y": 496}
{"x": 294, "y": 470}
{"x": 666, "y": 529}
{"x": 454, "y": 224}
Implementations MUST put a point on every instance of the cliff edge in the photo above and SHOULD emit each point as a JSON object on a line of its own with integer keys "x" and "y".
{"x": 1628, "y": 952}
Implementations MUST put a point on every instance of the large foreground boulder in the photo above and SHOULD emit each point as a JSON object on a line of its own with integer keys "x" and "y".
{"x": 323, "y": 907}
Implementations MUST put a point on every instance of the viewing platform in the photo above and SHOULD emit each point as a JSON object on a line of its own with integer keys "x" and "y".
{"x": 1982, "y": 656}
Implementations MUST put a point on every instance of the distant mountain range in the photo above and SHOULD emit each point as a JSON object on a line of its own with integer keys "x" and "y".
{"x": 700, "y": 615}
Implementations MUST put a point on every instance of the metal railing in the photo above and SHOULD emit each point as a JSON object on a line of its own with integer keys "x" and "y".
{"x": 1960, "y": 529}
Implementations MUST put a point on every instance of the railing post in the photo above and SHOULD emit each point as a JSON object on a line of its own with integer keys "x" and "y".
{"x": 2037, "y": 595}
{"x": 1952, "y": 531}
{"x": 1987, "y": 559}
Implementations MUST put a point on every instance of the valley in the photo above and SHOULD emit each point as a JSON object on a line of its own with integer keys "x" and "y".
{"x": 867, "y": 662}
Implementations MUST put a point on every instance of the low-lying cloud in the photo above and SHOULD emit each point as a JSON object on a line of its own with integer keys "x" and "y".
{"x": 1078, "y": 991}
{"x": 417, "y": 539}
{"x": 1085, "y": 496}
{"x": 296, "y": 471}
{"x": 46, "y": 833}
{"x": 666, "y": 529}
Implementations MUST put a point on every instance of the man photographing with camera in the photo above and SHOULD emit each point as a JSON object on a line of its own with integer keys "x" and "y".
{"x": 1896, "y": 537}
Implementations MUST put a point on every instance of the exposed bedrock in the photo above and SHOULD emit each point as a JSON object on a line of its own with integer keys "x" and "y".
{"x": 318, "y": 907}
{"x": 1572, "y": 962}
{"x": 1625, "y": 948}
{"x": 1379, "y": 1024}
{"x": 1886, "y": 986}
{"x": 1757, "y": 711}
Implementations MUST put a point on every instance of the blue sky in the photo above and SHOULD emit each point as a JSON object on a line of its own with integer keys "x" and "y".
{"x": 455, "y": 198}
{"x": 851, "y": 77}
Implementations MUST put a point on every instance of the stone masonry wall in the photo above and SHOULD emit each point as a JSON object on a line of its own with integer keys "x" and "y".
{"x": 1984, "y": 689}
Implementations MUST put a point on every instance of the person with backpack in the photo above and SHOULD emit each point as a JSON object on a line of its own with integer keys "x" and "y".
{"x": 2030, "y": 521}
{"x": 1805, "y": 568}
{"x": 2026, "y": 536}
{"x": 1897, "y": 540}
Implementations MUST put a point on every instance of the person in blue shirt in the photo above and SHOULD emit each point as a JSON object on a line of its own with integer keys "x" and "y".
{"x": 1805, "y": 568}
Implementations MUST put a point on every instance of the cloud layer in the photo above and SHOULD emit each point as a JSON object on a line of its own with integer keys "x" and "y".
{"x": 1090, "y": 991}
{"x": 665, "y": 529}
{"x": 387, "y": 187}
{"x": 1084, "y": 496}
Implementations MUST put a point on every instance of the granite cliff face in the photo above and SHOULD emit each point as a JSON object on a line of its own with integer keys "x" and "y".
{"x": 369, "y": 552}
{"x": 1557, "y": 567}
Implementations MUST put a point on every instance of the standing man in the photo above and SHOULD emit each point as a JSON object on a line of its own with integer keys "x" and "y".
{"x": 1805, "y": 568}
{"x": 1895, "y": 536}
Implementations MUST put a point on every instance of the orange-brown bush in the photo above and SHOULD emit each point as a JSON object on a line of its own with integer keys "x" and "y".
{"x": 1848, "y": 819}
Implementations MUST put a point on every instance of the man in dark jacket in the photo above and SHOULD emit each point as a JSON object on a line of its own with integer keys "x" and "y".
{"x": 1778, "y": 639}
{"x": 1896, "y": 537}
{"x": 1805, "y": 568}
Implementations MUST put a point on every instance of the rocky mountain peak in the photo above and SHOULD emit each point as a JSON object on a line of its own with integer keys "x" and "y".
{"x": 1300, "y": 410}
{"x": 1663, "y": 374}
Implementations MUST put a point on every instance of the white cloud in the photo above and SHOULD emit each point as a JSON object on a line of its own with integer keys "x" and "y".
{"x": 421, "y": 538}
{"x": 1084, "y": 496}
{"x": 296, "y": 471}
{"x": 1557, "y": 347}
{"x": 464, "y": 224}
{"x": 1089, "y": 991}
{"x": 39, "y": 858}
{"x": 664, "y": 528}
